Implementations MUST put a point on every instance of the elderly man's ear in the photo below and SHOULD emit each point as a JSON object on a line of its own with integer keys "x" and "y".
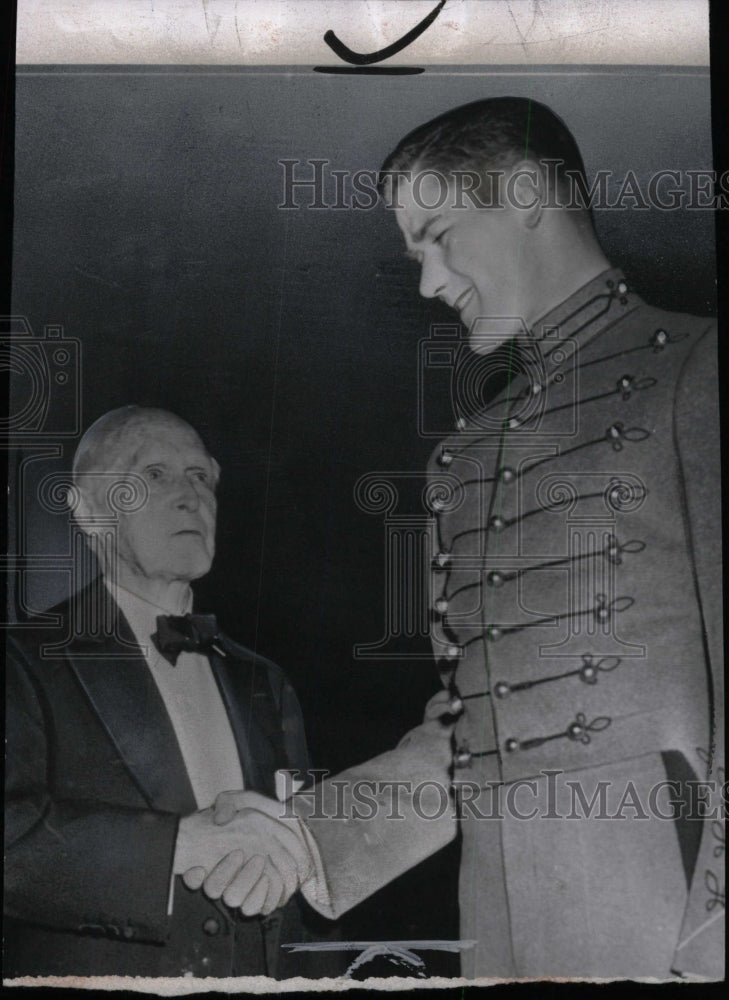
{"x": 84, "y": 507}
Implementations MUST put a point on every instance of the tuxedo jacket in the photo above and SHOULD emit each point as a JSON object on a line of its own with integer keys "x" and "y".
{"x": 95, "y": 788}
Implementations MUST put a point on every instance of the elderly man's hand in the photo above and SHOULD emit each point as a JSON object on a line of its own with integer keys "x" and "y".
{"x": 249, "y": 856}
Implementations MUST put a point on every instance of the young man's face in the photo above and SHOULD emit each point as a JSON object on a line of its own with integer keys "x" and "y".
{"x": 474, "y": 259}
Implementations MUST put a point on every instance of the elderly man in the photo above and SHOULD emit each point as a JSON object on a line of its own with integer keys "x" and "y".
{"x": 125, "y": 723}
{"x": 575, "y": 576}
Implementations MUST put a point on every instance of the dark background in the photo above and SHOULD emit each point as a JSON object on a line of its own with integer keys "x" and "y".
{"x": 146, "y": 224}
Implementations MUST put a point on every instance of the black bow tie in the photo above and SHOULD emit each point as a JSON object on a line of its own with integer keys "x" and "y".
{"x": 185, "y": 634}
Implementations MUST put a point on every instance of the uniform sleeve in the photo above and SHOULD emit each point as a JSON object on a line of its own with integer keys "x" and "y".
{"x": 75, "y": 864}
{"x": 700, "y": 948}
{"x": 373, "y": 822}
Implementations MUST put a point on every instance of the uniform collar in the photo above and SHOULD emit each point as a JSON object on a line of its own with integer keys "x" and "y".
{"x": 587, "y": 312}
{"x": 554, "y": 341}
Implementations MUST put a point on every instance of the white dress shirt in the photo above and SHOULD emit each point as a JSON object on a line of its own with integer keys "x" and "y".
{"x": 201, "y": 725}
{"x": 192, "y": 699}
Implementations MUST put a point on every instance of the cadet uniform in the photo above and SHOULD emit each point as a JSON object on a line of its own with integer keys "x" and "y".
{"x": 577, "y": 615}
{"x": 577, "y": 619}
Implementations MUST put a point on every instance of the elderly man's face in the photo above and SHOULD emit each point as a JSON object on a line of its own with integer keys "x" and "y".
{"x": 472, "y": 258}
{"x": 172, "y": 536}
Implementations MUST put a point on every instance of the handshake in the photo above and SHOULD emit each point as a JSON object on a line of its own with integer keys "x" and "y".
{"x": 244, "y": 851}
{"x": 249, "y": 852}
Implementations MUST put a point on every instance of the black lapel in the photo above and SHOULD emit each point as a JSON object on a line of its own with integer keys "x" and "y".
{"x": 121, "y": 689}
{"x": 246, "y": 690}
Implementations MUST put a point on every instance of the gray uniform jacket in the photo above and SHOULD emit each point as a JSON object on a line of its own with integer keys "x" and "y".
{"x": 577, "y": 613}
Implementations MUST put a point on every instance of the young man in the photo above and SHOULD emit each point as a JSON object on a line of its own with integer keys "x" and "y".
{"x": 576, "y": 586}
{"x": 575, "y": 577}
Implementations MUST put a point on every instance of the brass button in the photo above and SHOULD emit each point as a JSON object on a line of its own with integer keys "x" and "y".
{"x": 511, "y": 745}
{"x": 501, "y": 689}
{"x": 588, "y": 674}
{"x": 211, "y": 926}
{"x": 575, "y": 731}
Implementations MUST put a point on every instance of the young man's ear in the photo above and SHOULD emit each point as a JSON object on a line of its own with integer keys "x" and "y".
{"x": 526, "y": 190}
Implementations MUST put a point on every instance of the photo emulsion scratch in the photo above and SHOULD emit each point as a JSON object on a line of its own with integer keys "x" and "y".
{"x": 364, "y": 567}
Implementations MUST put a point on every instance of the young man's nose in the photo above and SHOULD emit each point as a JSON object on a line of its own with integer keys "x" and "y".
{"x": 433, "y": 277}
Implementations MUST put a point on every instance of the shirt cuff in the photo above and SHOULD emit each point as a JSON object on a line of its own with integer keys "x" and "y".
{"x": 315, "y": 889}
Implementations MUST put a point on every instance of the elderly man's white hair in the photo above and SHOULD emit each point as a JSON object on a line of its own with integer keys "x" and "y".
{"x": 106, "y": 437}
